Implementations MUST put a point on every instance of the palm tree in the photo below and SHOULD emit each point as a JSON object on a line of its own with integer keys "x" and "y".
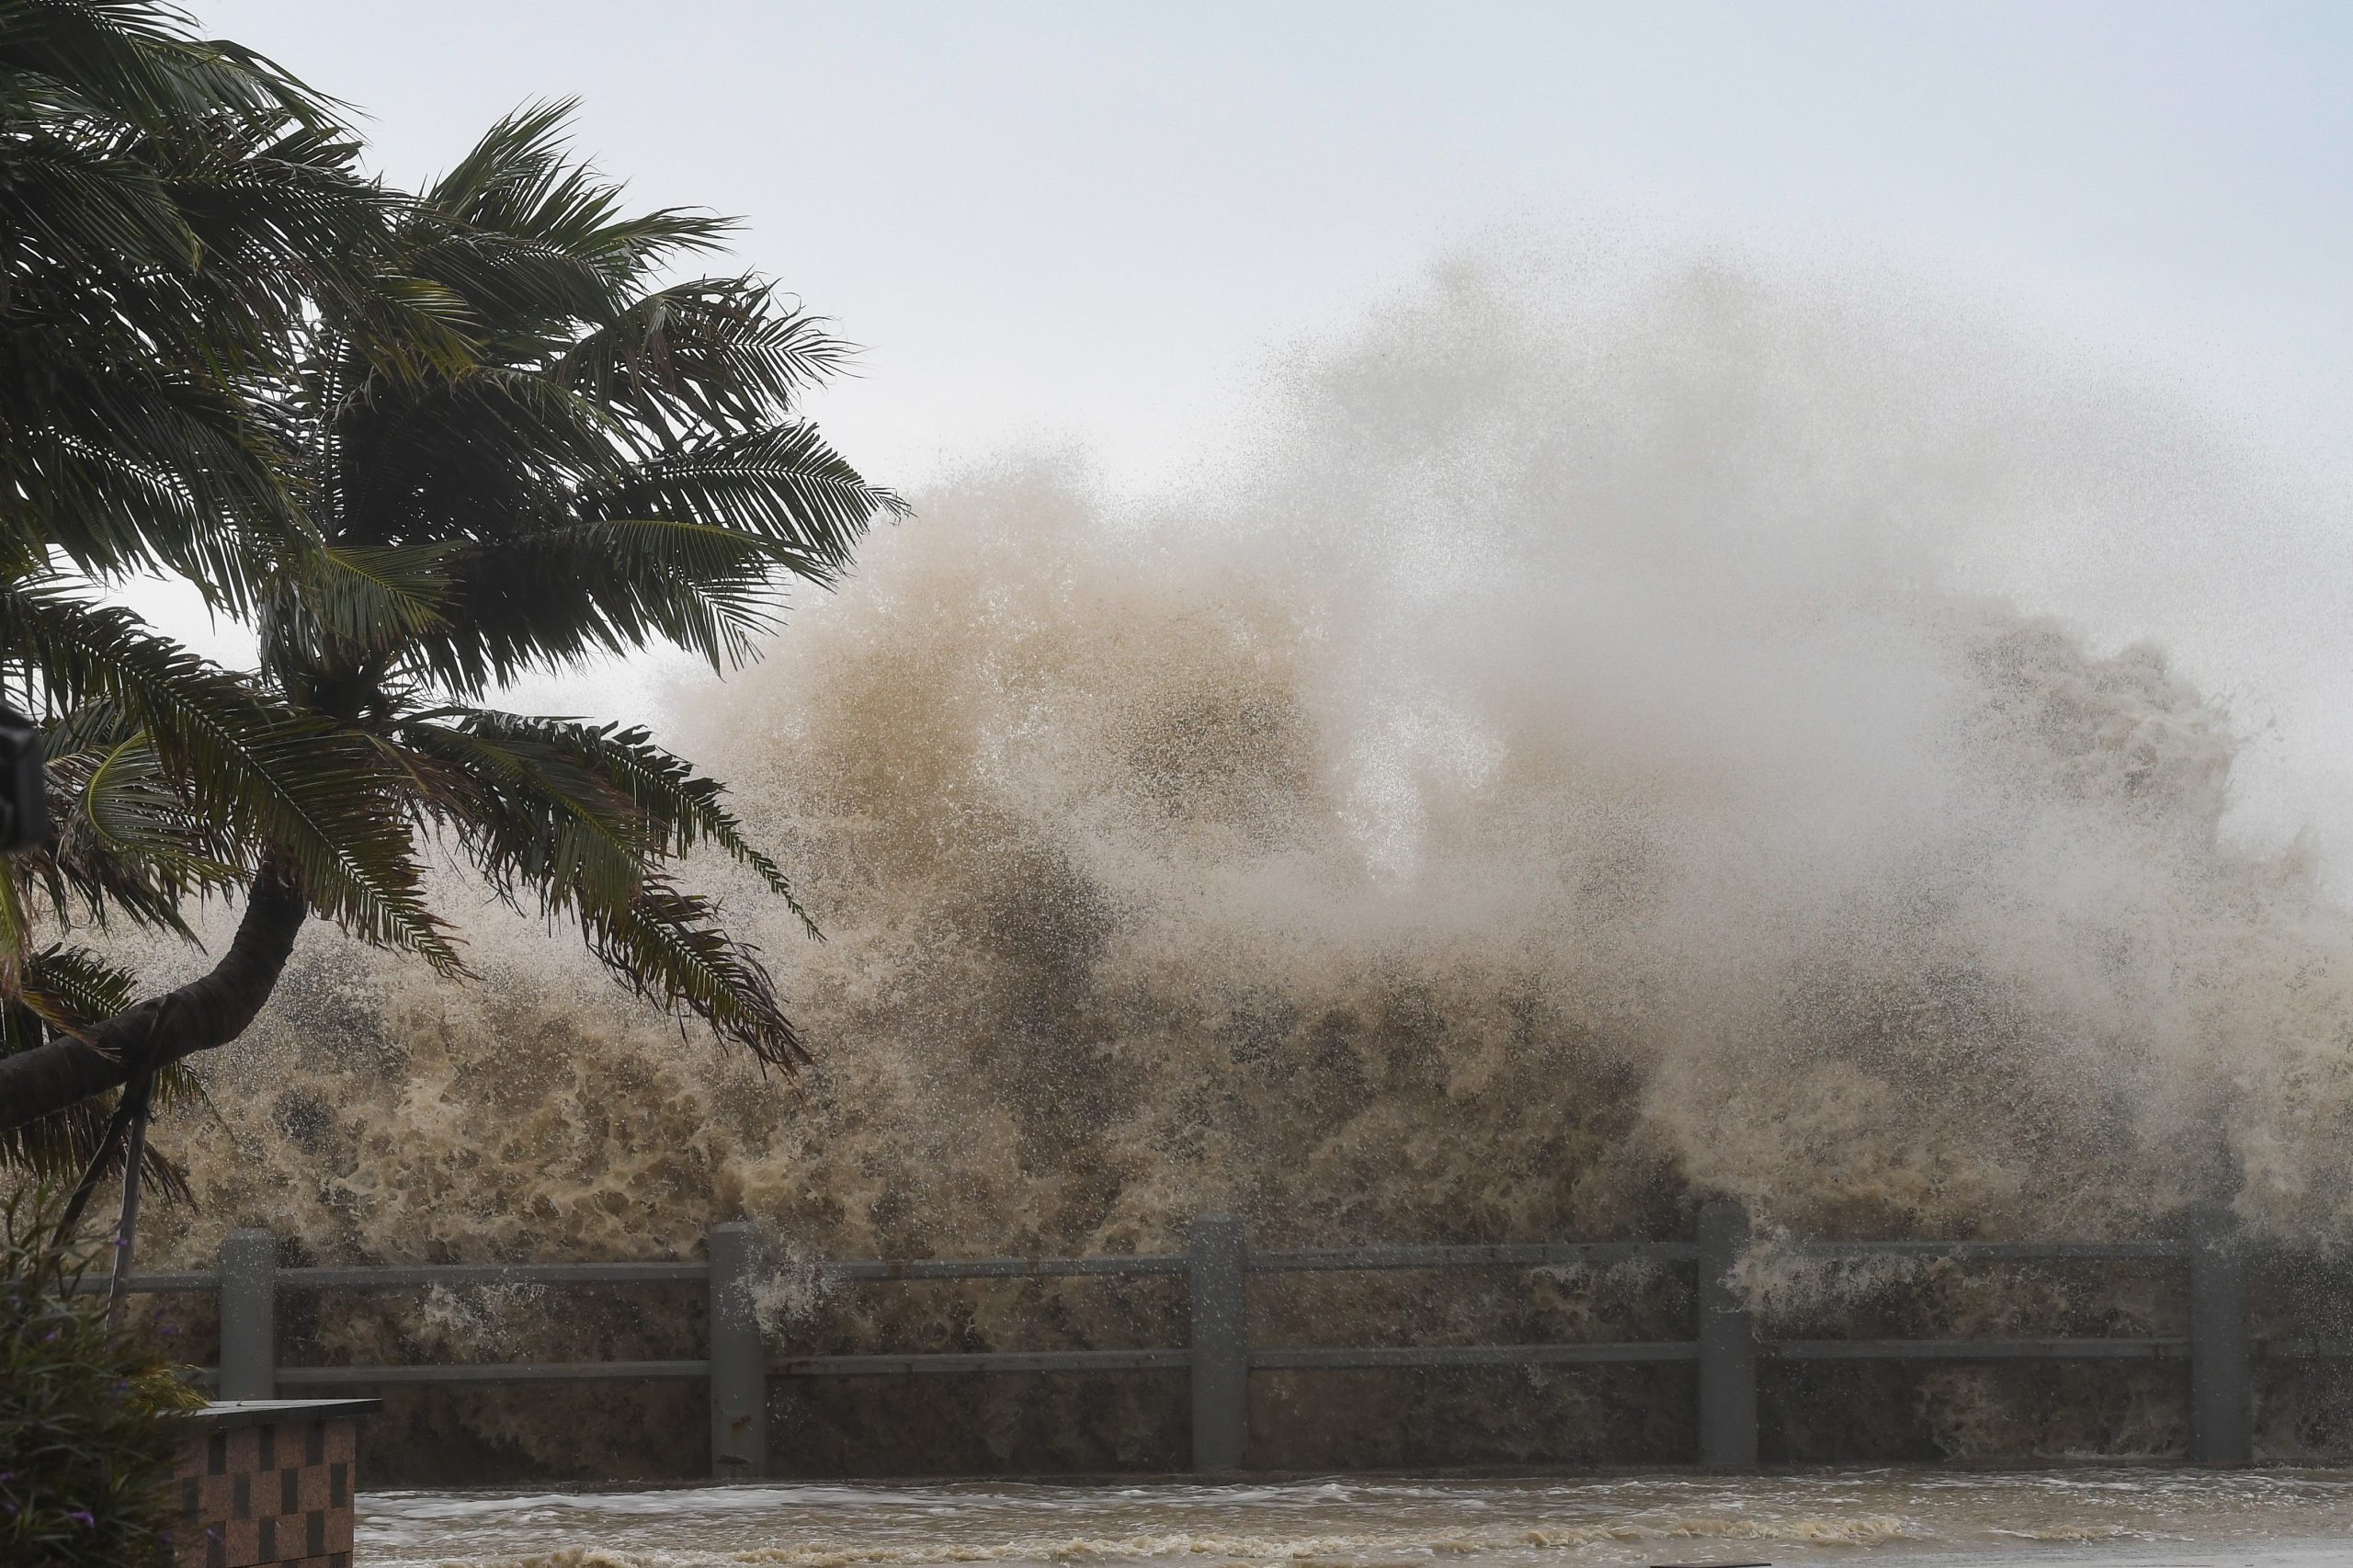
{"x": 573, "y": 460}
{"x": 171, "y": 212}
{"x": 171, "y": 780}
{"x": 168, "y": 208}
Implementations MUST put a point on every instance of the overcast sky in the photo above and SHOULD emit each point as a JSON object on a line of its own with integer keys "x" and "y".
{"x": 1090, "y": 224}
{"x": 1092, "y": 218}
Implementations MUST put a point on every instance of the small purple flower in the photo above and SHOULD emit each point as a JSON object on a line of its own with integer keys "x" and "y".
{"x": 84, "y": 1515}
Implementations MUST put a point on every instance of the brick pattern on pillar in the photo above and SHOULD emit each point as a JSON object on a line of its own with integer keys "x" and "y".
{"x": 266, "y": 1495}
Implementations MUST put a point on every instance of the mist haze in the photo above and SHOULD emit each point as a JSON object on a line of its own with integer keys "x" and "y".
{"x": 1557, "y": 760}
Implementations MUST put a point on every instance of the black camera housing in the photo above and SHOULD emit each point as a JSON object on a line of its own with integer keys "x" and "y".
{"x": 24, "y": 796}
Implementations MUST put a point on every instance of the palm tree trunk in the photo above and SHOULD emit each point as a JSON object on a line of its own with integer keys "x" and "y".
{"x": 210, "y": 1010}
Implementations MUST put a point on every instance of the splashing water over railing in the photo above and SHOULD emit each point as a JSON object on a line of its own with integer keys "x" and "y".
{"x": 1219, "y": 1357}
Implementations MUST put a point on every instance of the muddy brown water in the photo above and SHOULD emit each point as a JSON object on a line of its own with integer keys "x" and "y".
{"x": 2113, "y": 1518}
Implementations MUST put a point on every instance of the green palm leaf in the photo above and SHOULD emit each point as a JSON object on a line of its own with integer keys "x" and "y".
{"x": 273, "y": 776}
{"x": 428, "y": 445}
{"x": 531, "y": 815}
{"x": 556, "y": 596}
{"x": 682, "y": 811}
{"x": 712, "y": 353}
{"x": 784, "y": 485}
{"x": 63, "y": 990}
{"x": 670, "y": 948}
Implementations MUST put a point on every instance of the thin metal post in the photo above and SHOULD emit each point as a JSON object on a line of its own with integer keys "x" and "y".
{"x": 2221, "y": 1403}
{"x": 1221, "y": 1344}
{"x": 249, "y": 1315}
{"x": 739, "y": 1363}
{"x": 1727, "y": 1343}
{"x": 126, "y": 1229}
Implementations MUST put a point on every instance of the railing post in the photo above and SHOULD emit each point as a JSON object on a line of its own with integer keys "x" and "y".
{"x": 739, "y": 1363}
{"x": 1221, "y": 1344}
{"x": 1727, "y": 1343}
{"x": 249, "y": 1315}
{"x": 2221, "y": 1403}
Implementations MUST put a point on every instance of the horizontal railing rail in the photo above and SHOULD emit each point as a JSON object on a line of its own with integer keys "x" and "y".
{"x": 1219, "y": 1358}
{"x": 1535, "y": 1255}
{"x": 2001, "y": 1252}
{"x": 2093, "y": 1349}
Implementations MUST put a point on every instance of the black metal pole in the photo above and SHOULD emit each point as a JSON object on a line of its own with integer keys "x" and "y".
{"x": 118, "y": 1125}
{"x": 126, "y": 1231}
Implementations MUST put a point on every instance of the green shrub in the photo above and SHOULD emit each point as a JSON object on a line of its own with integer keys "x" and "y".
{"x": 85, "y": 1441}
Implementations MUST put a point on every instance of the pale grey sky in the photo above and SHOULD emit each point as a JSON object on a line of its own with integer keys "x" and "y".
{"x": 1092, "y": 218}
{"x": 1090, "y": 224}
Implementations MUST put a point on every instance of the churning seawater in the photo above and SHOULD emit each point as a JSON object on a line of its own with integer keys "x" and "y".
{"x": 2116, "y": 1517}
{"x": 1566, "y": 758}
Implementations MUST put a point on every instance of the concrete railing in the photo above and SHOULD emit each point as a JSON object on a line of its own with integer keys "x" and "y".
{"x": 1219, "y": 1357}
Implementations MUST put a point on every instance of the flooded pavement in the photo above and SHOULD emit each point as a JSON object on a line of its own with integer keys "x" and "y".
{"x": 2114, "y": 1518}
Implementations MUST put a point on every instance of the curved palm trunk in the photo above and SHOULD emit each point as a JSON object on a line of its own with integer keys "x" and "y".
{"x": 210, "y": 1010}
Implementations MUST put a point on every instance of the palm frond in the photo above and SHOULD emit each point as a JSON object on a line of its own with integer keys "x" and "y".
{"x": 320, "y": 794}
{"x": 670, "y": 948}
{"x": 784, "y": 483}
{"x": 530, "y": 815}
{"x": 66, "y": 989}
{"x": 683, "y": 810}
{"x": 713, "y": 353}
{"x": 125, "y": 841}
{"x": 359, "y": 599}
{"x": 583, "y": 817}
{"x": 520, "y": 181}
{"x": 556, "y": 596}
{"x": 133, "y": 60}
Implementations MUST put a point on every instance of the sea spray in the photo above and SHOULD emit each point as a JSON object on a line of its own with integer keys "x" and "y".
{"x": 1542, "y": 772}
